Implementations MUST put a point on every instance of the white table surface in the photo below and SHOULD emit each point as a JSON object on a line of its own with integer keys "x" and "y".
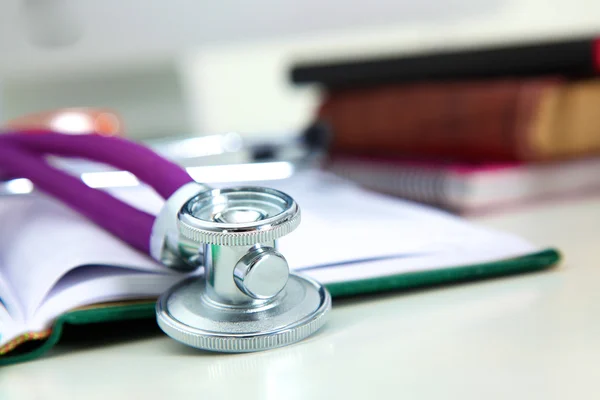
{"x": 534, "y": 336}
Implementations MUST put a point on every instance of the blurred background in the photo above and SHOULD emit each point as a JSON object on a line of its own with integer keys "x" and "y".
{"x": 193, "y": 68}
{"x": 186, "y": 66}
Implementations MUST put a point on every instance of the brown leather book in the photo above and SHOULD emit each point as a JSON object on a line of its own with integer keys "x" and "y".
{"x": 501, "y": 120}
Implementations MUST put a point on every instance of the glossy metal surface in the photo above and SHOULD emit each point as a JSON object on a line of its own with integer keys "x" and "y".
{"x": 246, "y": 300}
{"x": 262, "y": 273}
{"x": 220, "y": 265}
{"x": 239, "y": 216}
{"x": 189, "y": 315}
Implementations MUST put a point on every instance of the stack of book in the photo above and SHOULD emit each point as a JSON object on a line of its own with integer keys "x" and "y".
{"x": 470, "y": 130}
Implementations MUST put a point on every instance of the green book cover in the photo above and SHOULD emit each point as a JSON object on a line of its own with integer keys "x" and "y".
{"x": 39, "y": 343}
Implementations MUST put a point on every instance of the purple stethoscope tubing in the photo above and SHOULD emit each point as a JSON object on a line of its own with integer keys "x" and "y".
{"x": 21, "y": 154}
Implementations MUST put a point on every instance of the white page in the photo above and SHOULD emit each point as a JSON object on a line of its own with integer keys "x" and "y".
{"x": 9, "y": 222}
{"x": 97, "y": 285}
{"x": 9, "y": 301}
{"x": 486, "y": 252}
{"x": 9, "y": 328}
{"x": 341, "y": 223}
{"x": 43, "y": 240}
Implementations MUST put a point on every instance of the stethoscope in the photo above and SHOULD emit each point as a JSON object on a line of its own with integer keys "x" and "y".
{"x": 247, "y": 300}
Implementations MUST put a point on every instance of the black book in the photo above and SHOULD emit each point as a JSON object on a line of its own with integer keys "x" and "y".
{"x": 572, "y": 58}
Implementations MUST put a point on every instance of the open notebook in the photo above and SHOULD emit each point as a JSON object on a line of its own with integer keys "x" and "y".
{"x": 53, "y": 261}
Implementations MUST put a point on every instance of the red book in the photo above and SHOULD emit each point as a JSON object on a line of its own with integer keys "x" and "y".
{"x": 501, "y": 120}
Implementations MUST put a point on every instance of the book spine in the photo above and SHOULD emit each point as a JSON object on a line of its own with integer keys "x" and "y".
{"x": 574, "y": 58}
{"x": 469, "y": 121}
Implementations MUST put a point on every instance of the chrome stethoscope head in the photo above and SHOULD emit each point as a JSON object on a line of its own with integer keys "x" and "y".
{"x": 247, "y": 299}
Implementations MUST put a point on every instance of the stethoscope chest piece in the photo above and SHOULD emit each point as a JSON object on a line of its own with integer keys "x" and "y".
{"x": 247, "y": 300}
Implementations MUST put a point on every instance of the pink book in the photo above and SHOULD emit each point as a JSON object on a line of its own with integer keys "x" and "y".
{"x": 471, "y": 188}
